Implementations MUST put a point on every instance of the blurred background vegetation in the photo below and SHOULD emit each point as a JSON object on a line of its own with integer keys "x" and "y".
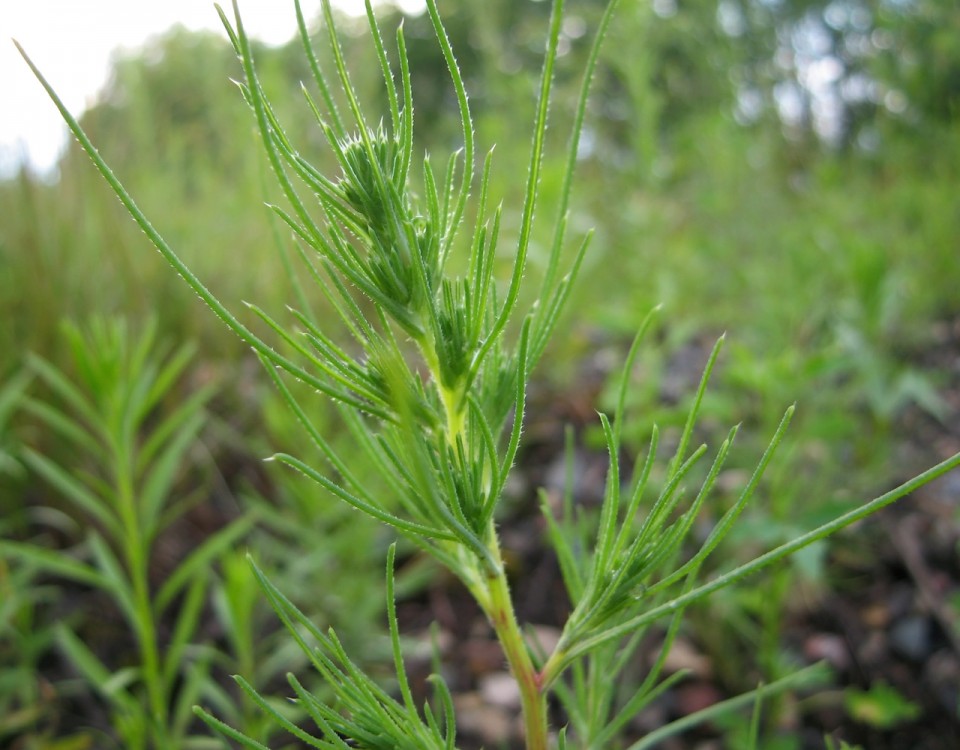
{"x": 783, "y": 170}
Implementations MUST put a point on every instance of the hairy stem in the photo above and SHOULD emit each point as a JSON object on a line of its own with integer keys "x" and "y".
{"x": 498, "y": 607}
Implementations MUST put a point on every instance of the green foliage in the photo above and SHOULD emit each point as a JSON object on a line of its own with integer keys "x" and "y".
{"x": 25, "y": 710}
{"x": 421, "y": 331}
{"x": 361, "y": 710}
{"x": 122, "y": 485}
{"x": 881, "y": 706}
{"x": 11, "y": 393}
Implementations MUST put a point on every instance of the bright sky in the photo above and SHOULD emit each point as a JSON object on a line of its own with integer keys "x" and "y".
{"x": 71, "y": 41}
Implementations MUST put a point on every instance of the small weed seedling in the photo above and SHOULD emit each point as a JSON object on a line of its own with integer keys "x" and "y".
{"x": 431, "y": 387}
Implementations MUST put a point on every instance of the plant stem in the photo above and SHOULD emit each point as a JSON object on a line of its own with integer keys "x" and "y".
{"x": 135, "y": 548}
{"x": 499, "y": 608}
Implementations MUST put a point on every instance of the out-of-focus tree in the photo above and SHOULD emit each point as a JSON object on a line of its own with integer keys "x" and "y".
{"x": 917, "y": 57}
{"x": 845, "y": 66}
{"x": 166, "y": 105}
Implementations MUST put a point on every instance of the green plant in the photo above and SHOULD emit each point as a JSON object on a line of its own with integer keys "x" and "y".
{"x": 25, "y": 706}
{"x": 122, "y": 483}
{"x": 330, "y": 543}
{"x": 431, "y": 387}
{"x": 11, "y": 394}
{"x": 251, "y": 655}
{"x": 881, "y": 706}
